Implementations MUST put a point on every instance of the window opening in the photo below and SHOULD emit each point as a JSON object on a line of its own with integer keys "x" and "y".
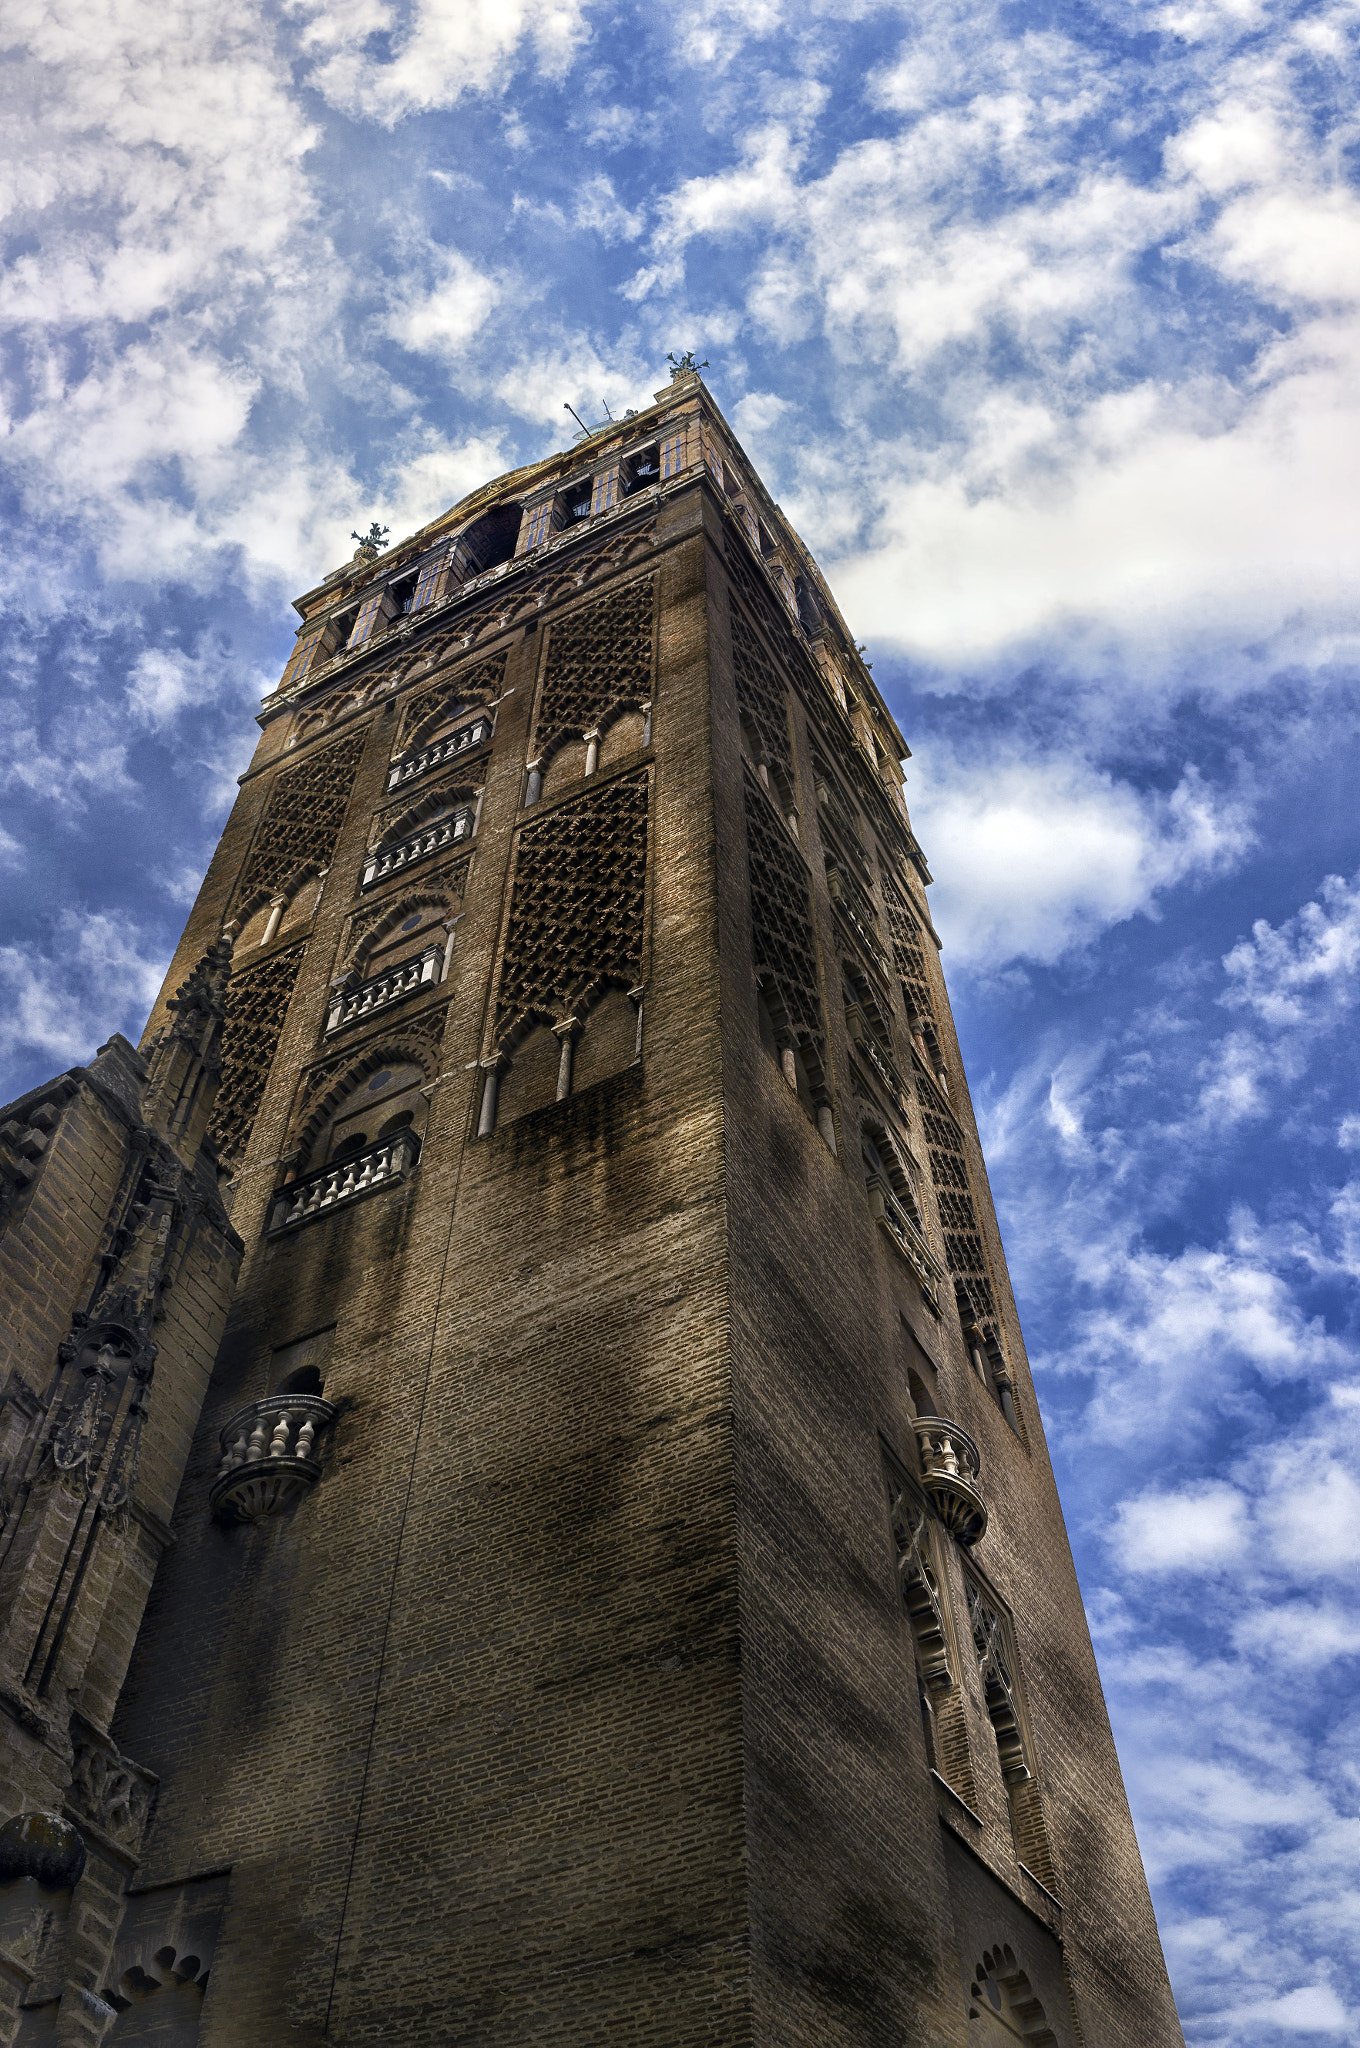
{"x": 994, "y": 1646}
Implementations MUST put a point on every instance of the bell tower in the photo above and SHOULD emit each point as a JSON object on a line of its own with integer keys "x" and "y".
{"x": 610, "y": 1583}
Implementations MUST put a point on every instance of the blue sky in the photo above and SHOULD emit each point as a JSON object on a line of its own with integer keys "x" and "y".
{"x": 1042, "y": 326}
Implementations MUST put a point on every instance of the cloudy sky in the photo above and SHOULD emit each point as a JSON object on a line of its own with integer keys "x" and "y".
{"x": 1041, "y": 324}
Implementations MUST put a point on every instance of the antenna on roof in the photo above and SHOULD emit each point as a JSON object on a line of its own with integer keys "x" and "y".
{"x": 577, "y": 417}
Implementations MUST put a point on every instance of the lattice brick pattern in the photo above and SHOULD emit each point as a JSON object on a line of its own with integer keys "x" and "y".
{"x": 483, "y": 679}
{"x": 908, "y": 951}
{"x": 781, "y": 919}
{"x": 963, "y": 1251}
{"x": 576, "y": 921}
{"x": 303, "y": 817}
{"x": 257, "y": 1002}
{"x": 761, "y": 692}
{"x": 598, "y": 658}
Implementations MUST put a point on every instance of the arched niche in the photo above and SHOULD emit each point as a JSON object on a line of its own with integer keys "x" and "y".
{"x": 566, "y": 764}
{"x": 622, "y": 737}
{"x": 530, "y": 1080}
{"x": 367, "y": 1110}
{"x": 608, "y": 1041}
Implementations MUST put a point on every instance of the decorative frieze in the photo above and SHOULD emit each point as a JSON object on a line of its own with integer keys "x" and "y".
{"x": 330, "y": 1187}
{"x": 269, "y": 1456}
{"x": 599, "y": 664}
{"x": 351, "y": 1006}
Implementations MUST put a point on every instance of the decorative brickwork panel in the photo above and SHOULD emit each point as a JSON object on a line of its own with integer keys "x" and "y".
{"x": 576, "y": 921}
{"x": 257, "y": 1002}
{"x": 302, "y": 819}
{"x": 467, "y": 686}
{"x": 599, "y": 660}
{"x": 908, "y": 949}
{"x": 781, "y": 916}
{"x": 762, "y": 693}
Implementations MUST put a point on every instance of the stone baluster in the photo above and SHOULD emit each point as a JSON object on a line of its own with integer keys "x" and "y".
{"x": 306, "y": 1431}
{"x": 278, "y": 1447}
{"x": 255, "y": 1447}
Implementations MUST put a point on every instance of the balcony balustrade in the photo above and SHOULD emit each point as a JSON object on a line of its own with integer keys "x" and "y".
{"x": 866, "y": 1042}
{"x": 269, "y": 1456}
{"x": 905, "y": 1233}
{"x": 315, "y": 1194}
{"x": 390, "y": 860}
{"x": 422, "y": 759}
{"x": 949, "y": 1470}
{"x": 350, "y": 1005}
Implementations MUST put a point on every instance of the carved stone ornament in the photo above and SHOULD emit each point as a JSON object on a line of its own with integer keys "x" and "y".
{"x": 268, "y": 1456}
{"x": 111, "y": 1793}
{"x": 949, "y": 1469}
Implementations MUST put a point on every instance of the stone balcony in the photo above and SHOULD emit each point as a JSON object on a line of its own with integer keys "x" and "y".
{"x": 352, "y": 1005}
{"x": 419, "y": 762}
{"x": 269, "y": 1456}
{"x": 316, "y": 1194}
{"x": 857, "y": 1024}
{"x": 390, "y": 860}
{"x": 905, "y": 1234}
{"x": 949, "y": 1470}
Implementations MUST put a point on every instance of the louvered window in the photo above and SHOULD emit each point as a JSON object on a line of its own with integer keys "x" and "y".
{"x": 713, "y": 459}
{"x": 750, "y": 522}
{"x": 605, "y": 493}
{"x": 429, "y": 583}
{"x": 366, "y": 620}
{"x": 539, "y": 527}
{"x": 672, "y": 455}
{"x": 301, "y": 658}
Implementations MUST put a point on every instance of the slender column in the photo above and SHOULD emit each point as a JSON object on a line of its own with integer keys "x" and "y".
{"x": 592, "y": 739}
{"x": 635, "y": 996}
{"x": 492, "y": 1069}
{"x": 566, "y": 1034}
{"x": 451, "y": 927}
{"x": 534, "y": 788}
{"x": 826, "y": 1124}
{"x": 277, "y": 906}
{"x": 647, "y": 723}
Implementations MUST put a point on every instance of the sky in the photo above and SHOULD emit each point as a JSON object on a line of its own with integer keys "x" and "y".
{"x": 1041, "y": 324}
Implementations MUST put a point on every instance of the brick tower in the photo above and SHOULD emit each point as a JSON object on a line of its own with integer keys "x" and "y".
{"x": 611, "y": 1586}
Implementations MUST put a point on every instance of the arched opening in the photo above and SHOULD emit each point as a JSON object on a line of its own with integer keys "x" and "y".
{"x": 373, "y": 1101}
{"x": 306, "y": 1380}
{"x": 566, "y": 764}
{"x": 623, "y": 737}
{"x": 608, "y": 1042}
{"x": 1003, "y": 2006}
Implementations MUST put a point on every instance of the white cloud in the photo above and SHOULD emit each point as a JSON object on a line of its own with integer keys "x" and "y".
{"x": 1285, "y": 973}
{"x": 600, "y": 211}
{"x": 442, "y": 320}
{"x": 446, "y": 53}
{"x": 1034, "y": 857}
{"x": 93, "y": 979}
{"x": 1197, "y": 1529}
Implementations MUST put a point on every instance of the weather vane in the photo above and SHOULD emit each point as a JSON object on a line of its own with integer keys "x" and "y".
{"x": 375, "y": 538}
{"x": 685, "y": 364}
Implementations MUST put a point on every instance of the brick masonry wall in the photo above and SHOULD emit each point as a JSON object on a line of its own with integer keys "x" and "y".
{"x": 525, "y": 1528}
{"x": 851, "y": 1923}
